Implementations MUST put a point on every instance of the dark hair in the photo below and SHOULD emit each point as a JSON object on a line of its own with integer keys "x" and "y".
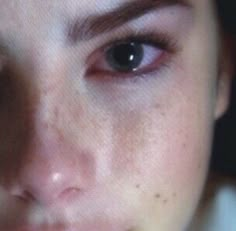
{"x": 227, "y": 14}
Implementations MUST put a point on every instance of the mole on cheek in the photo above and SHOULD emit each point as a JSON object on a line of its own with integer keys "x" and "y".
{"x": 199, "y": 166}
{"x": 137, "y": 186}
{"x": 163, "y": 114}
{"x": 157, "y": 195}
{"x": 157, "y": 106}
{"x": 165, "y": 201}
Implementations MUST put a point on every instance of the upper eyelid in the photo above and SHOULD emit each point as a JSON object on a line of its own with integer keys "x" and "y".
{"x": 159, "y": 38}
{"x": 140, "y": 36}
{"x": 91, "y": 27}
{"x": 130, "y": 38}
{"x": 144, "y": 27}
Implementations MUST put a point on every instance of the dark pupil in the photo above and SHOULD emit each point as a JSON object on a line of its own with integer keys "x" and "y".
{"x": 125, "y": 57}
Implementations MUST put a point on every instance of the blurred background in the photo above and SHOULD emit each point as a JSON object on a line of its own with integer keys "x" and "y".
{"x": 224, "y": 147}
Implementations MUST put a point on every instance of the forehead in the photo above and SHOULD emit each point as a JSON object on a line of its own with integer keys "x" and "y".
{"x": 52, "y": 19}
{"x": 51, "y": 11}
{"x": 69, "y": 7}
{"x": 53, "y": 7}
{"x": 52, "y": 14}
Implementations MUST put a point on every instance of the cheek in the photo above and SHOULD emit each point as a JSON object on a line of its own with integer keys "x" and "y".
{"x": 184, "y": 150}
{"x": 163, "y": 149}
{"x": 166, "y": 141}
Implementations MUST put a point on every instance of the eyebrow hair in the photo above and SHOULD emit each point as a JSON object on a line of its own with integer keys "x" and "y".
{"x": 94, "y": 25}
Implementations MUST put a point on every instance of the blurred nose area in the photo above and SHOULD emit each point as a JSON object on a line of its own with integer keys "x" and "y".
{"x": 50, "y": 169}
{"x": 50, "y": 173}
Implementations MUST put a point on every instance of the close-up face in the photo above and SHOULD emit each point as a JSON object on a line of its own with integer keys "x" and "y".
{"x": 107, "y": 112}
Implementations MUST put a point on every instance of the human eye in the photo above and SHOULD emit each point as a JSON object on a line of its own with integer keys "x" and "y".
{"x": 132, "y": 57}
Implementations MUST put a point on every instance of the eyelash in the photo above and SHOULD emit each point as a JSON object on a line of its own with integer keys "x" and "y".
{"x": 160, "y": 41}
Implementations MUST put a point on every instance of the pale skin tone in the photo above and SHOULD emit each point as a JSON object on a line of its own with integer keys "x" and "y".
{"x": 90, "y": 152}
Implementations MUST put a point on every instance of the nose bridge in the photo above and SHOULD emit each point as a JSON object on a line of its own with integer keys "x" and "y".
{"x": 46, "y": 63}
{"x": 45, "y": 174}
{"x": 48, "y": 162}
{"x": 41, "y": 68}
{"x": 49, "y": 165}
{"x": 45, "y": 114}
{"x": 48, "y": 74}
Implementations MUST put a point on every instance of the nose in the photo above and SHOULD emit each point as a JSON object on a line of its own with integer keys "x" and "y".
{"x": 51, "y": 172}
{"x": 51, "y": 166}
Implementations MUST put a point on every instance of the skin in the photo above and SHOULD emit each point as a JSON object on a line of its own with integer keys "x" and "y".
{"x": 79, "y": 150}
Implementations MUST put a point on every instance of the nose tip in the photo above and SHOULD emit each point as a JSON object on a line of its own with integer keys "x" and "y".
{"x": 50, "y": 174}
{"x": 45, "y": 199}
{"x": 46, "y": 191}
{"x": 51, "y": 171}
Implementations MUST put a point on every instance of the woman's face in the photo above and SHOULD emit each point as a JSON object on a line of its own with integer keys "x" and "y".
{"x": 98, "y": 134}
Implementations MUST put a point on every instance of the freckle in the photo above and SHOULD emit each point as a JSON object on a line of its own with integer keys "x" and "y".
{"x": 60, "y": 135}
{"x": 132, "y": 229}
{"x": 46, "y": 125}
{"x": 137, "y": 185}
{"x": 165, "y": 201}
{"x": 157, "y": 106}
{"x": 163, "y": 113}
{"x": 174, "y": 194}
{"x": 56, "y": 112}
{"x": 199, "y": 166}
{"x": 184, "y": 145}
{"x": 157, "y": 195}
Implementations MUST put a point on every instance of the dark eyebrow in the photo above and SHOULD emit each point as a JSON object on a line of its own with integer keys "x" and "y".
{"x": 94, "y": 25}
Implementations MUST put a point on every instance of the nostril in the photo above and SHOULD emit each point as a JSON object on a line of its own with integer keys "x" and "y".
{"x": 69, "y": 193}
{"x": 28, "y": 196}
{"x": 24, "y": 196}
